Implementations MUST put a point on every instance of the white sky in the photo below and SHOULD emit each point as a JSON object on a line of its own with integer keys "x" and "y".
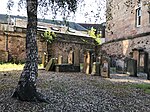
{"x": 79, "y": 16}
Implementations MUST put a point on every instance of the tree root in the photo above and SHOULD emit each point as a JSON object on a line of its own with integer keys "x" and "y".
{"x": 42, "y": 98}
{"x": 38, "y": 97}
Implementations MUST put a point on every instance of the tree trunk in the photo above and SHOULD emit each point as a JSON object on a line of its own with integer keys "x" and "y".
{"x": 26, "y": 88}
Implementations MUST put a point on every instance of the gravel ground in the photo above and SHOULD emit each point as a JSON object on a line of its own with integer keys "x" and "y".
{"x": 77, "y": 92}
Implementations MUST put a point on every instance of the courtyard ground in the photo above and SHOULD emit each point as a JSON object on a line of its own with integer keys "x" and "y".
{"x": 78, "y": 92}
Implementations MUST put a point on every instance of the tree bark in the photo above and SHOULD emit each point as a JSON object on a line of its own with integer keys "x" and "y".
{"x": 26, "y": 88}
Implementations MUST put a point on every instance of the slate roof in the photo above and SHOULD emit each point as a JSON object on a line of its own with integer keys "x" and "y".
{"x": 96, "y": 26}
{"x": 73, "y": 25}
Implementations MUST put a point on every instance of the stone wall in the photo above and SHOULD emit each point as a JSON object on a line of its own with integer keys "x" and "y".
{"x": 64, "y": 43}
{"x": 15, "y": 40}
{"x": 124, "y": 47}
{"x": 122, "y": 22}
{"x": 2, "y": 42}
{"x": 122, "y": 33}
{"x": 15, "y": 50}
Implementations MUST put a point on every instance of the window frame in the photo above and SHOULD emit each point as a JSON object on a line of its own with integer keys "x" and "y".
{"x": 138, "y": 18}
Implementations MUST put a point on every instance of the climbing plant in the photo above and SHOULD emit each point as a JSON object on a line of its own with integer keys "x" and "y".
{"x": 95, "y": 35}
{"x": 49, "y": 36}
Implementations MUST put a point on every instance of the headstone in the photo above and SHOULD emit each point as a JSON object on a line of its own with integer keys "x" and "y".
{"x": 144, "y": 61}
{"x": 112, "y": 62}
{"x": 77, "y": 57}
{"x": 50, "y": 65}
{"x": 136, "y": 55}
{"x": 44, "y": 59}
{"x": 147, "y": 66}
{"x": 60, "y": 59}
{"x": 148, "y": 72}
{"x": 71, "y": 57}
{"x": 88, "y": 63}
{"x": 96, "y": 68}
{"x": 120, "y": 66}
{"x": 84, "y": 64}
{"x": 105, "y": 67}
{"x": 125, "y": 64}
{"x": 56, "y": 60}
{"x": 66, "y": 68}
{"x": 132, "y": 67}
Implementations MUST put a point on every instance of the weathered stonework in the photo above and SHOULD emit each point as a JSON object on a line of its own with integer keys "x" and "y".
{"x": 64, "y": 43}
{"x": 124, "y": 47}
{"x": 122, "y": 34}
{"x": 13, "y": 43}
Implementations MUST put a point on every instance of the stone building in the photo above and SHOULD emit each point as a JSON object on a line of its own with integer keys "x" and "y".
{"x": 13, "y": 33}
{"x": 127, "y": 27}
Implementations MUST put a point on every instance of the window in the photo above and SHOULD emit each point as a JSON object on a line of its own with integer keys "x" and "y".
{"x": 149, "y": 13}
{"x": 138, "y": 14}
{"x": 149, "y": 17}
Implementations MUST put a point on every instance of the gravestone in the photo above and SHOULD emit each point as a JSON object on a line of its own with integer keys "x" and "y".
{"x": 148, "y": 72}
{"x": 120, "y": 66}
{"x": 112, "y": 62}
{"x": 44, "y": 60}
{"x": 142, "y": 58}
{"x": 66, "y": 68}
{"x": 84, "y": 63}
{"x": 96, "y": 68}
{"x": 76, "y": 57}
{"x": 71, "y": 57}
{"x": 105, "y": 67}
{"x": 125, "y": 64}
{"x": 132, "y": 67}
{"x": 88, "y": 61}
{"x": 50, "y": 65}
{"x": 60, "y": 59}
{"x": 147, "y": 68}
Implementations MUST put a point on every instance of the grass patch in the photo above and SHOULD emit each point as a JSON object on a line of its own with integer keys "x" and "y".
{"x": 11, "y": 66}
{"x": 144, "y": 87}
{"x": 112, "y": 70}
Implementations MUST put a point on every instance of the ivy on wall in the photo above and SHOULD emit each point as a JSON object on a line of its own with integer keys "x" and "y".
{"x": 95, "y": 35}
{"x": 49, "y": 36}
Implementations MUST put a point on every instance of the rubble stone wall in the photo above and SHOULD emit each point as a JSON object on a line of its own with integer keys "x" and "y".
{"x": 124, "y": 47}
